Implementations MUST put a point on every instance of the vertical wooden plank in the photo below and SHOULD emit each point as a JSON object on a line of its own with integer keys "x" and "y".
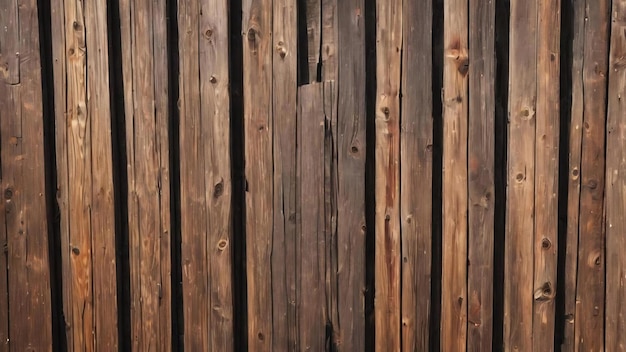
{"x": 144, "y": 62}
{"x": 546, "y": 173}
{"x": 455, "y": 197}
{"x": 314, "y": 36}
{"x": 25, "y": 298}
{"x": 519, "y": 258}
{"x": 328, "y": 56}
{"x": 481, "y": 153}
{"x": 349, "y": 165}
{"x": 258, "y": 127}
{"x": 416, "y": 145}
{"x": 590, "y": 290}
{"x": 615, "y": 339}
{"x": 312, "y": 269}
{"x": 387, "y": 151}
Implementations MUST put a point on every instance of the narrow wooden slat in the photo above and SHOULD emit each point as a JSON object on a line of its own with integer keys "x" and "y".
{"x": 519, "y": 259}
{"x": 590, "y": 285}
{"x": 416, "y": 145}
{"x": 455, "y": 197}
{"x": 546, "y": 174}
{"x": 258, "y": 129}
{"x": 387, "y": 151}
{"x": 347, "y": 108}
{"x": 328, "y": 55}
{"x": 481, "y": 153}
{"x": 314, "y": 36}
{"x": 615, "y": 339}
{"x": 144, "y": 49}
{"x": 286, "y": 242}
{"x": 312, "y": 269}
{"x": 25, "y": 301}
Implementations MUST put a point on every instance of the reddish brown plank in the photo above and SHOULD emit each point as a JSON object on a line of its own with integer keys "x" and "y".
{"x": 328, "y": 55}
{"x": 314, "y": 36}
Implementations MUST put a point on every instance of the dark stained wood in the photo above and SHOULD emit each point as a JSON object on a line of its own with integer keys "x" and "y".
{"x": 144, "y": 61}
{"x": 258, "y": 130}
{"x": 314, "y": 36}
{"x": 481, "y": 153}
{"x": 590, "y": 288}
{"x": 546, "y": 173}
{"x": 25, "y": 302}
{"x": 416, "y": 146}
{"x": 455, "y": 191}
{"x": 348, "y": 110}
{"x": 615, "y": 339}
{"x": 519, "y": 259}
{"x": 387, "y": 151}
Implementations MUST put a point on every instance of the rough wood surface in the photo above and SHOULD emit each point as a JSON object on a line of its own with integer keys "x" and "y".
{"x": 416, "y": 146}
{"x": 387, "y": 152}
{"x": 615, "y": 339}
{"x": 314, "y": 37}
{"x": 329, "y": 38}
{"x": 25, "y": 302}
{"x": 519, "y": 258}
{"x": 481, "y": 153}
{"x": 205, "y": 175}
{"x": 455, "y": 192}
{"x": 144, "y": 62}
{"x": 546, "y": 173}
{"x": 258, "y": 130}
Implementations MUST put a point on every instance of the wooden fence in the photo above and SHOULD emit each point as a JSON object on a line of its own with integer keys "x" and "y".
{"x": 321, "y": 175}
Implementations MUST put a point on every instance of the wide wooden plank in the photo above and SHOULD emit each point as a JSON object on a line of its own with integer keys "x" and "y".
{"x": 25, "y": 301}
{"x": 416, "y": 160}
{"x": 519, "y": 228}
{"x": 546, "y": 174}
{"x": 589, "y": 314}
{"x": 387, "y": 151}
{"x": 258, "y": 130}
{"x": 481, "y": 153}
{"x": 144, "y": 62}
{"x": 615, "y": 320}
{"x": 455, "y": 192}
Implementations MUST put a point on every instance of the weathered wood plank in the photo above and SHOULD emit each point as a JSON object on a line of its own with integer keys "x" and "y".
{"x": 519, "y": 259}
{"x": 258, "y": 129}
{"x": 312, "y": 269}
{"x": 328, "y": 53}
{"x": 546, "y": 173}
{"x": 387, "y": 151}
{"x": 416, "y": 160}
{"x": 144, "y": 62}
{"x": 615, "y": 339}
{"x": 481, "y": 153}
{"x": 590, "y": 288}
{"x": 455, "y": 192}
{"x": 348, "y": 110}
{"x": 314, "y": 36}
{"x": 25, "y": 300}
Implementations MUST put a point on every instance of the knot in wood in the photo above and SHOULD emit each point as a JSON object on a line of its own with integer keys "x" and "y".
{"x": 208, "y": 34}
{"x": 252, "y": 33}
{"x": 544, "y": 293}
{"x": 221, "y": 245}
{"x": 8, "y": 193}
{"x": 219, "y": 190}
{"x": 213, "y": 79}
{"x": 546, "y": 244}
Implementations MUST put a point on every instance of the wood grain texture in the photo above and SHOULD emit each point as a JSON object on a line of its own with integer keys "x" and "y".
{"x": 258, "y": 130}
{"x": 455, "y": 176}
{"x": 83, "y": 127}
{"x": 590, "y": 286}
{"x": 615, "y": 320}
{"x": 546, "y": 173}
{"x": 205, "y": 175}
{"x": 481, "y": 153}
{"x": 25, "y": 301}
{"x": 519, "y": 228}
{"x": 144, "y": 62}
{"x": 328, "y": 55}
{"x": 314, "y": 37}
{"x": 416, "y": 160}
{"x": 387, "y": 153}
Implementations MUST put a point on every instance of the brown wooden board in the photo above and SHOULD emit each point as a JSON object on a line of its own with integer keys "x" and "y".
{"x": 84, "y": 166}
{"x": 144, "y": 61}
{"x": 455, "y": 191}
{"x": 615, "y": 309}
{"x": 519, "y": 258}
{"x": 589, "y": 314}
{"x": 314, "y": 36}
{"x": 387, "y": 152}
{"x": 546, "y": 173}
{"x": 416, "y": 160}
{"x": 258, "y": 130}
{"x": 328, "y": 55}
{"x": 25, "y": 301}
{"x": 481, "y": 153}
